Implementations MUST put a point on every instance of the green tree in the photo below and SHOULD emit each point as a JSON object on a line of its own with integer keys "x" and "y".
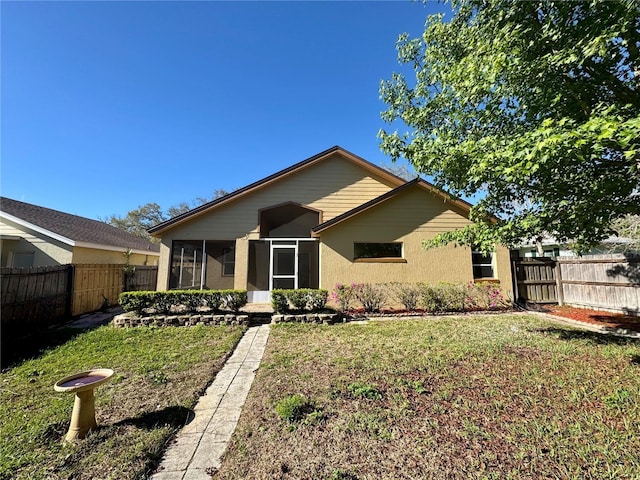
{"x": 140, "y": 219}
{"x": 534, "y": 105}
{"x": 628, "y": 229}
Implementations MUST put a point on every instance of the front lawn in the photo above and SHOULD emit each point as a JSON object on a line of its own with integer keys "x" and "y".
{"x": 498, "y": 396}
{"x": 159, "y": 374}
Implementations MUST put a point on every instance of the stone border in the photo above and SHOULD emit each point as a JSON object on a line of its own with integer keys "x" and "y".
{"x": 326, "y": 318}
{"x": 127, "y": 320}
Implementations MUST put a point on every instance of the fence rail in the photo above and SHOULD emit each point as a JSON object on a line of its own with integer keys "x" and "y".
{"x": 599, "y": 281}
{"x": 40, "y": 297}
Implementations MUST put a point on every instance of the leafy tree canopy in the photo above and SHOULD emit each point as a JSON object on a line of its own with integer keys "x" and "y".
{"x": 533, "y": 104}
{"x": 141, "y": 219}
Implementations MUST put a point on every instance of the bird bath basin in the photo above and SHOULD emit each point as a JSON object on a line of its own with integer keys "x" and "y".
{"x": 82, "y": 384}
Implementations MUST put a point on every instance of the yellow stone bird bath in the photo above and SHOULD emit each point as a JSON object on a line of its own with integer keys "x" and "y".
{"x": 82, "y": 384}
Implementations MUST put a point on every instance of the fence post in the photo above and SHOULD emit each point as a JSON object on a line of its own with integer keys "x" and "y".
{"x": 558, "y": 275}
{"x": 514, "y": 281}
{"x": 69, "y": 300}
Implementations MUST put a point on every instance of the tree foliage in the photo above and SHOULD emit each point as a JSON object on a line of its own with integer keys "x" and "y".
{"x": 142, "y": 218}
{"x": 535, "y": 105}
{"x": 628, "y": 229}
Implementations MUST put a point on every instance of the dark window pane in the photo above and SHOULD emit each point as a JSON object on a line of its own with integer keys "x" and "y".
{"x": 284, "y": 261}
{"x": 284, "y": 283}
{"x": 228, "y": 261}
{"x": 478, "y": 257}
{"x": 377, "y": 250}
{"x": 482, "y": 271}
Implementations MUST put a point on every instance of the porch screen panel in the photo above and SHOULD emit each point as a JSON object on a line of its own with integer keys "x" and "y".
{"x": 186, "y": 264}
{"x": 258, "y": 275}
{"x": 308, "y": 271}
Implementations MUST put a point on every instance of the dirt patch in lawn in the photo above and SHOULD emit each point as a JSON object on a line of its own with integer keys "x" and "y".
{"x": 596, "y": 317}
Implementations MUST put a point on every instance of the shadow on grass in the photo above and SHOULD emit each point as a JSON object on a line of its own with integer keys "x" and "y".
{"x": 15, "y": 349}
{"x": 594, "y": 337}
{"x": 173, "y": 416}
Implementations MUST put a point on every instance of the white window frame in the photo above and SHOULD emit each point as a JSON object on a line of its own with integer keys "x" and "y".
{"x": 473, "y": 264}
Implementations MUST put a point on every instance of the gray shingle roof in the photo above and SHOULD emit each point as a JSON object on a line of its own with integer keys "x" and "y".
{"x": 73, "y": 227}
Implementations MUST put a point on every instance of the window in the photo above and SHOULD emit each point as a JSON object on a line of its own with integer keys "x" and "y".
{"x": 482, "y": 264}
{"x": 228, "y": 262}
{"x": 547, "y": 252}
{"x": 23, "y": 259}
{"x": 377, "y": 251}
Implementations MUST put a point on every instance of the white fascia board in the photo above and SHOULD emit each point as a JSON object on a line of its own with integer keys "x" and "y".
{"x": 38, "y": 229}
{"x": 112, "y": 248}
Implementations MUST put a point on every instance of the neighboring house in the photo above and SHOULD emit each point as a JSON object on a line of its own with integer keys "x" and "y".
{"x": 33, "y": 236}
{"x": 552, "y": 248}
{"x": 333, "y": 218}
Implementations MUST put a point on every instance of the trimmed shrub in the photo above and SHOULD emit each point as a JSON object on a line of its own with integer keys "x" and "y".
{"x": 298, "y": 298}
{"x": 191, "y": 300}
{"x": 279, "y": 301}
{"x": 485, "y": 296}
{"x": 310, "y": 299}
{"x": 372, "y": 297}
{"x": 317, "y": 299}
{"x": 443, "y": 297}
{"x": 344, "y": 295}
{"x": 234, "y": 300}
{"x": 163, "y": 301}
{"x": 212, "y": 299}
{"x": 408, "y": 294}
{"x": 135, "y": 301}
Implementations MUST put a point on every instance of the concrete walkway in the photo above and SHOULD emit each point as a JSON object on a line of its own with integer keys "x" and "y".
{"x": 199, "y": 446}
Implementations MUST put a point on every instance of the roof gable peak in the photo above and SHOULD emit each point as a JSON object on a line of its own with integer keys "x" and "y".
{"x": 313, "y": 160}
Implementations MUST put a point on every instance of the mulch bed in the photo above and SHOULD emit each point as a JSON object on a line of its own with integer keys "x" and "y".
{"x": 596, "y": 317}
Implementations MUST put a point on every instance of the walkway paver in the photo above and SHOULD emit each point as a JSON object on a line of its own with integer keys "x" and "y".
{"x": 199, "y": 446}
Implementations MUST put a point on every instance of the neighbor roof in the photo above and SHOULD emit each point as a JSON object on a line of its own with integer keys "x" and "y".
{"x": 72, "y": 229}
{"x": 273, "y": 178}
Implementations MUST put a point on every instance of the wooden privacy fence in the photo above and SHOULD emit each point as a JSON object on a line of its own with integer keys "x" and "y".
{"x": 535, "y": 280}
{"x": 97, "y": 285}
{"x": 41, "y": 297}
{"x": 35, "y": 297}
{"x": 604, "y": 281}
{"x": 599, "y": 281}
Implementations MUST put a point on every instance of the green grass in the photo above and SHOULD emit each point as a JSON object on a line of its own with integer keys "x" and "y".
{"x": 500, "y": 396}
{"x": 159, "y": 374}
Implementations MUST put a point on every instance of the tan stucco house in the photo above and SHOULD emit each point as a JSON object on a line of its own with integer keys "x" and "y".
{"x": 35, "y": 236}
{"x": 332, "y": 218}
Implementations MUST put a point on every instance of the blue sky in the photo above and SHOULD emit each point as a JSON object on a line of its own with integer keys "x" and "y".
{"x": 110, "y": 105}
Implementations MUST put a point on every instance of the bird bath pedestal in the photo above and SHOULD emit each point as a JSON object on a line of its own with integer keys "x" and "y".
{"x": 82, "y": 384}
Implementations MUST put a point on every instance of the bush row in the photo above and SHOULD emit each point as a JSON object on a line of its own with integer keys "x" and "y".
{"x": 433, "y": 298}
{"x": 184, "y": 300}
{"x": 308, "y": 299}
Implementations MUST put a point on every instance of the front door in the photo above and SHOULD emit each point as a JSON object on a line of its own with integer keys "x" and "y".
{"x": 284, "y": 265}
